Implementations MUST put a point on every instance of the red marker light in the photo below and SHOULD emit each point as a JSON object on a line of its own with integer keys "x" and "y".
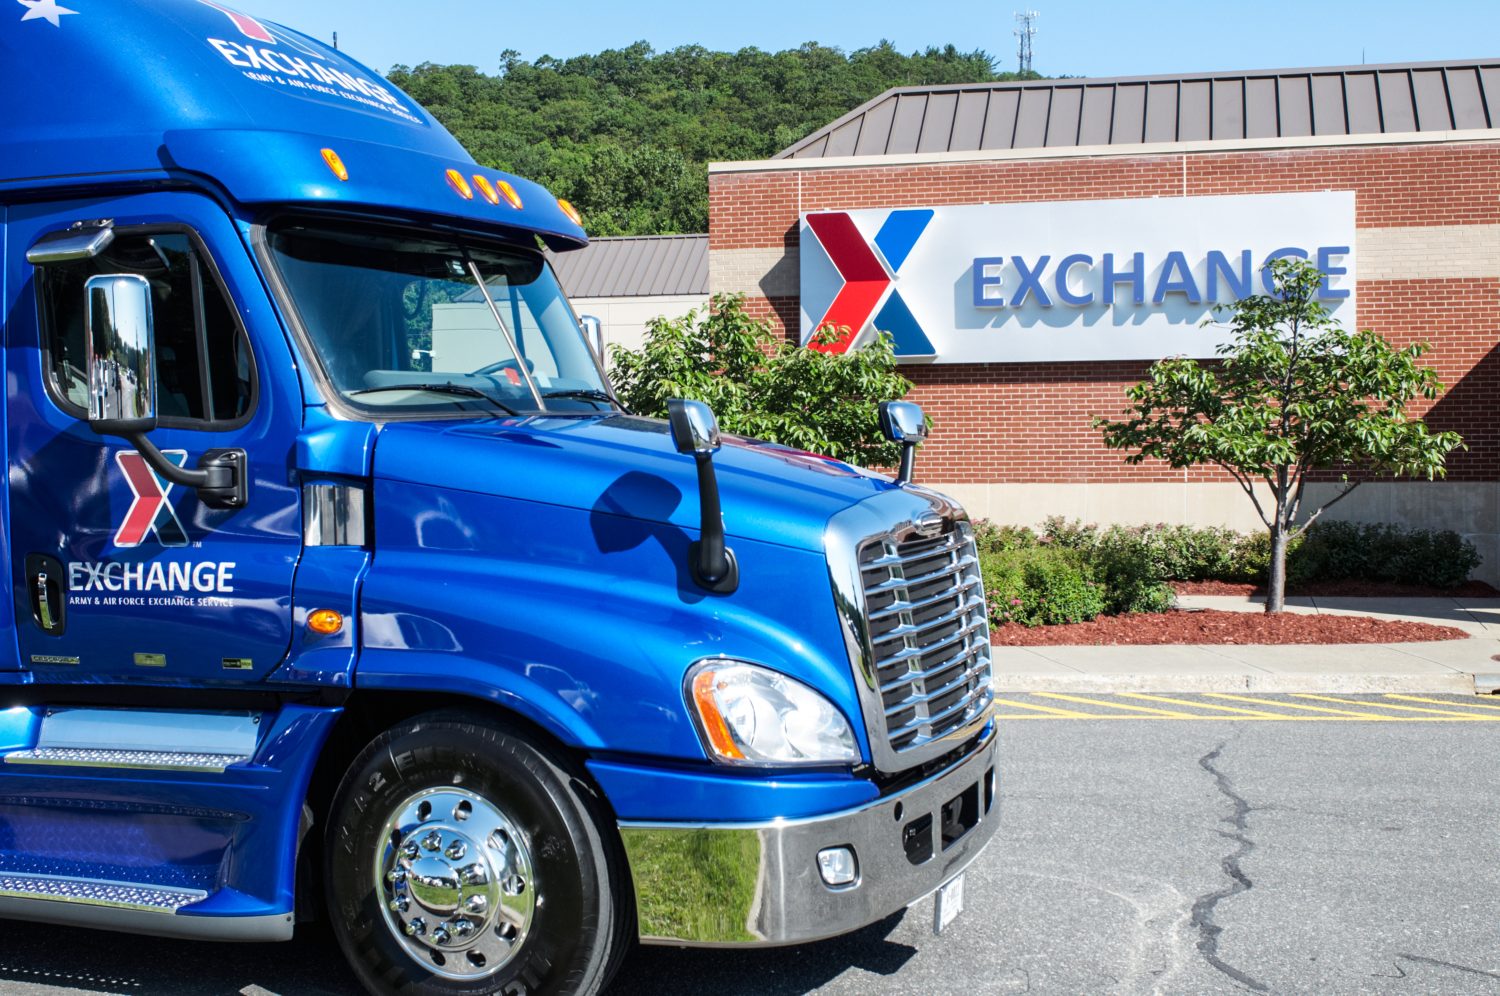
{"x": 509, "y": 193}
{"x": 335, "y": 164}
{"x": 571, "y": 211}
{"x": 460, "y": 185}
{"x": 486, "y": 188}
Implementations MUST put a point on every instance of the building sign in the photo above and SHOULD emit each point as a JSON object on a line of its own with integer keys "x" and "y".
{"x": 1071, "y": 280}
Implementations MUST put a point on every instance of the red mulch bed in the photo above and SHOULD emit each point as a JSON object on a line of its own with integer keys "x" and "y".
{"x": 1343, "y": 589}
{"x": 1214, "y": 626}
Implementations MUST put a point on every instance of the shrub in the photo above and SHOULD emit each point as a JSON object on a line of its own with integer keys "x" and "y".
{"x": 1342, "y": 551}
{"x": 991, "y": 538}
{"x": 1038, "y": 586}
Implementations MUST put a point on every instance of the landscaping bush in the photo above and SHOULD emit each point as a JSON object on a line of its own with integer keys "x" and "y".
{"x": 1352, "y": 551}
{"x": 1038, "y": 586}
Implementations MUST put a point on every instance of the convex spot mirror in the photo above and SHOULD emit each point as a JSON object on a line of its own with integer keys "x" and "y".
{"x": 120, "y": 348}
{"x": 695, "y": 431}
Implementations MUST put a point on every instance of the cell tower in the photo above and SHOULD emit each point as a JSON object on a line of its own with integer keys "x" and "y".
{"x": 1025, "y": 31}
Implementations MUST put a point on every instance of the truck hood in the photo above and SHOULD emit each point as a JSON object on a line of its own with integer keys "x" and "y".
{"x": 624, "y": 465}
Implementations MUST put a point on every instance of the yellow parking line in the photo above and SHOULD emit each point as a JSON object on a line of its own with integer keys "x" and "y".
{"x": 1054, "y": 713}
{"x": 1159, "y": 713}
{"x": 1471, "y": 717}
{"x": 1252, "y": 713}
{"x": 1371, "y": 716}
{"x": 1464, "y": 705}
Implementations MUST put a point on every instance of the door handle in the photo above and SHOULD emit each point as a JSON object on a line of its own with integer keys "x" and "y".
{"x": 49, "y": 602}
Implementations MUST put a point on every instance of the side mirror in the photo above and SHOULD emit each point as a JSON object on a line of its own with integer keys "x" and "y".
{"x": 695, "y": 433}
{"x": 903, "y": 422}
{"x": 120, "y": 348}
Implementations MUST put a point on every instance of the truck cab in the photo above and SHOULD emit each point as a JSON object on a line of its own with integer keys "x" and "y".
{"x": 343, "y": 586}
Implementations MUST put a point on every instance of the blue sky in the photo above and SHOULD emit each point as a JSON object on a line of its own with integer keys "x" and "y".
{"x": 1076, "y": 37}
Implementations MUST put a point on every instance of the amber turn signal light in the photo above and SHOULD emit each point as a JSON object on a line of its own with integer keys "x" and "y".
{"x": 325, "y": 621}
{"x": 335, "y": 164}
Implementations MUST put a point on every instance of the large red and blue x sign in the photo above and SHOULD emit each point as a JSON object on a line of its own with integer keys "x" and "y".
{"x": 868, "y": 271}
{"x": 150, "y": 512}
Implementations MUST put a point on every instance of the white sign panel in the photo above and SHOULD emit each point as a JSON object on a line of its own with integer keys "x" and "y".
{"x": 1071, "y": 280}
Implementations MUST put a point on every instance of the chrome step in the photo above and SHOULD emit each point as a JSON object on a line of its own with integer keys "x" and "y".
{"x": 97, "y": 757}
{"x": 117, "y": 895}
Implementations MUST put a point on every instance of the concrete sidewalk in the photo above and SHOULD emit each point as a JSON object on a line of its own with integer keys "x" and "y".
{"x": 1464, "y": 666}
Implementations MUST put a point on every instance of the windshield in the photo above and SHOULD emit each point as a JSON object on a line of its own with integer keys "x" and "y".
{"x": 406, "y": 324}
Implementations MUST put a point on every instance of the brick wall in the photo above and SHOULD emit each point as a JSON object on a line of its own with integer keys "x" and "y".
{"x": 1030, "y": 422}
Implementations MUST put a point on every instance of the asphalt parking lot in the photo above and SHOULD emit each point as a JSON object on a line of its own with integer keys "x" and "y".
{"x": 1149, "y": 844}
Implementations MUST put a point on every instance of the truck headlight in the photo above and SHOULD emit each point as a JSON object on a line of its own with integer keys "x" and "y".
{"x": 752, "y": 715}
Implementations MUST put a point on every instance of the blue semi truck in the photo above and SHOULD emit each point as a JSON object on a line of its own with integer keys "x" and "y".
{"x": 343, "y": 586}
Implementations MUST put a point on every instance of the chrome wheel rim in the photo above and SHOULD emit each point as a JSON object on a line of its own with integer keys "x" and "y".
{"x": 454, "y": 877}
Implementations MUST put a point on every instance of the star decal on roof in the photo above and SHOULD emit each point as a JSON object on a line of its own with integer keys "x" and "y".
{"x": 46, "y": 10}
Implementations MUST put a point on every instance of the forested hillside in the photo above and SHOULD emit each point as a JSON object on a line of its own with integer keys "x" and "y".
{"x": 626, "y": 134}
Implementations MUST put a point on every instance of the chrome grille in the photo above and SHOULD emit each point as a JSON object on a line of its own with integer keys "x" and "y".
{"x": 927, "y": 633}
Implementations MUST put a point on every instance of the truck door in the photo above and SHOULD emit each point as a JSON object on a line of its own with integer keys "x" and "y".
{"x": 120, "y": 575}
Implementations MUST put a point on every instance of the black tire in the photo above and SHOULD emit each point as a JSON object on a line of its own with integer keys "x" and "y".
{"x": 578, "y": 930}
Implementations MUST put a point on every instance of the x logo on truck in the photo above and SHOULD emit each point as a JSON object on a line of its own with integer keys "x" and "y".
{"x": 867, "y": 269}
{"x": 150, "y": 512}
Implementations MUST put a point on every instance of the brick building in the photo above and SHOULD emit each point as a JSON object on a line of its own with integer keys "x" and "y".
{"x": 1412, "y": 150}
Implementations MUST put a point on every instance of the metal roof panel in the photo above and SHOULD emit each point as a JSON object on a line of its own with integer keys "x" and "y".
{"x": 1390, "y": 99}
{"x": 637, "y": 266}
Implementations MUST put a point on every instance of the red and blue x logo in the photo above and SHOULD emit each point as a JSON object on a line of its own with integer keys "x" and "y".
{"x": 150, "y": 512}
{"x": 867, "y": 273}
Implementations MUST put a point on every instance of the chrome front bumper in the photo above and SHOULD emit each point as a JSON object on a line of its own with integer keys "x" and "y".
{"x": 758, "y": 884}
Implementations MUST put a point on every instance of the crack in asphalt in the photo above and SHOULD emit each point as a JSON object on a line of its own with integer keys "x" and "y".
{"x": 1445, "y": 964}
{"x": 1205, "y": 905}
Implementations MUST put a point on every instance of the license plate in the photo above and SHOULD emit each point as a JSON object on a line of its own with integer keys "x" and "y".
{"x": 949, "y": 904}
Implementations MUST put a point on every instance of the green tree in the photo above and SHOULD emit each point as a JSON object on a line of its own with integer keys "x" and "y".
{"x": 760, "y": 385}
{"x": 1294, "y": 394}
{"x": 626, "y": 134}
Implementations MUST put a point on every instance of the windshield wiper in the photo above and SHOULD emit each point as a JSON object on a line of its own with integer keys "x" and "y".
{"x": 463, "y": 390}
{"x": 588, "y": 394}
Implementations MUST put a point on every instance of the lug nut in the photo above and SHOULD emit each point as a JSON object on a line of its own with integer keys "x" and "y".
{"x": 396, "y": 876}
{"x": 416, "y": 928}
{"x": 399, "y": 904}
{"x": 440, "y": 934}
{"x": 473, "y": 874}
{"x": 456, "y": 851}
{"x": 409, "y": 849}
{"x": 462, "y": 928}
{"x": 476, "y": 905}
{"x": 432, "y": 841}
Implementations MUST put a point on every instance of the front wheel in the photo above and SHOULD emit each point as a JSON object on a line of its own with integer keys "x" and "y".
{"x": 464, "y": 859}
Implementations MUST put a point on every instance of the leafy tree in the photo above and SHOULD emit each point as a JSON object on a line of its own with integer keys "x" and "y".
{"x": 626, "y": 134}
{"x": 1294, "y": 394}
{"x": 760, "y": 385}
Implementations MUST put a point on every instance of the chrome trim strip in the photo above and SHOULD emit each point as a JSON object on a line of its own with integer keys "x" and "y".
{"x": 252, "y": 929}
{"x": 762, "y": 885}
{"x": 891, "y": 516}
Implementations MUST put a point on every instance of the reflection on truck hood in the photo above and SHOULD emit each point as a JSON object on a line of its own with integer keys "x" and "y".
{"x": 624, "y": 465}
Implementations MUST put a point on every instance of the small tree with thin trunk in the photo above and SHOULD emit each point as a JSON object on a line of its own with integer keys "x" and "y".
{"x": 1294, "y": 393}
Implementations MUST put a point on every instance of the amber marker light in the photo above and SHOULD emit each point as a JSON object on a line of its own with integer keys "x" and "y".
{"x": 325, "y": 621}
{"x": 335, "y": 164}
{"x": 460, "y": 185}
{"x": 486, "y": 188}
{"x": 571, "y": 211}
{"x": 713, "y": 720}
{"x": 509, "y": 193}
